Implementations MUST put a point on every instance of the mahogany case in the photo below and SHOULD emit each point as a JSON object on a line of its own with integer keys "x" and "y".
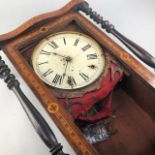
{"x": 133, "y": 102}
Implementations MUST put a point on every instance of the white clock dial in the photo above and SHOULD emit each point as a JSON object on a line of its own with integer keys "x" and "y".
{"x": 68, "y": 60}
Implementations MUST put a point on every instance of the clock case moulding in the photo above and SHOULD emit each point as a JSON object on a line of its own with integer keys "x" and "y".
{"x": 133, "y": 100}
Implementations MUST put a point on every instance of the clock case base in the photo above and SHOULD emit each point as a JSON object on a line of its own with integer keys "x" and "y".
{"x": 133, "y": 101}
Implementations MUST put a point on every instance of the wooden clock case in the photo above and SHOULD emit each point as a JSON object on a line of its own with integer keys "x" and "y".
{"x": 133, "y": 101}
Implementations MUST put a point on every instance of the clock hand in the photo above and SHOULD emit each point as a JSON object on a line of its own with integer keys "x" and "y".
{"x": 54, "y": 53}
{"x": 67, "y": 59}
{"x": 38, "y": 122}
{"x": 64, "y": 74}
{"x": 66, "y": 68}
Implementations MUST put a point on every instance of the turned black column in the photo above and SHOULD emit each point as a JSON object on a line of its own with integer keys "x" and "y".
{"x": 38, "y": 122}
{"x": 141, "y": 53}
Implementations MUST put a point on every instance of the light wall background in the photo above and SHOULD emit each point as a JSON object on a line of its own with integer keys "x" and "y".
{"x": 134, "y": 18}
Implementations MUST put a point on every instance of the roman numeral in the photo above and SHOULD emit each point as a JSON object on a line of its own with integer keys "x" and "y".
{"x": 57, "y": 79}
{"x": 71, "y": 81}
{"x": 76, "y": 42}
{"x": 45, "y": 52}
{"x": 86, "y": 47}
{"x": 84, "y": 76}
{"x": 43, "y": 63}
{"x": 48, "y": 72}
{"x": 92, "y": 56}
{"x": 53, "y": 44}
{"x": 64, "y": 41}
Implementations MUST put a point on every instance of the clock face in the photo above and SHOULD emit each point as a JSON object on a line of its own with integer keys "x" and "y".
{"x": 68, "y": 60}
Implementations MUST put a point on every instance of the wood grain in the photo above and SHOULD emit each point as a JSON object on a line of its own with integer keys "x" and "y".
{"x": 132, "y": 122}
{"x": 135, "y": 134}
{"x": 40, "y": 19}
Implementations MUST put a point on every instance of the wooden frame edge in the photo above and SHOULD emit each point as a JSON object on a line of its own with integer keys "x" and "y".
{"x": 50, "y": 103}
{"x": 37, "y": 19}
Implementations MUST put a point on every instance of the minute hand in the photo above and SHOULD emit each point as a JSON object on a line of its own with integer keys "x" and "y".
{"x": 65, "y": 69}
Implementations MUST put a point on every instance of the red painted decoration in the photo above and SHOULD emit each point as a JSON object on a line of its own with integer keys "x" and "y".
{"x": 89, "y": 100}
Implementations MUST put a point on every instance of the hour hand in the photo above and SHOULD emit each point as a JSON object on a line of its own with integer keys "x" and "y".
{"x": 54, "y": 53}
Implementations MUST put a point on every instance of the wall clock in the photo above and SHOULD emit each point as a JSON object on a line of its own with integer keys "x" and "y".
{"x": 66, "y": 53}
{"x": 66, "y": 61}
{"x": 75, "y": 67}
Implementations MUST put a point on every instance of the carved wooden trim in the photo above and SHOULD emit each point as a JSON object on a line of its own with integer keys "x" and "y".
{"x": 40, "y": 18}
